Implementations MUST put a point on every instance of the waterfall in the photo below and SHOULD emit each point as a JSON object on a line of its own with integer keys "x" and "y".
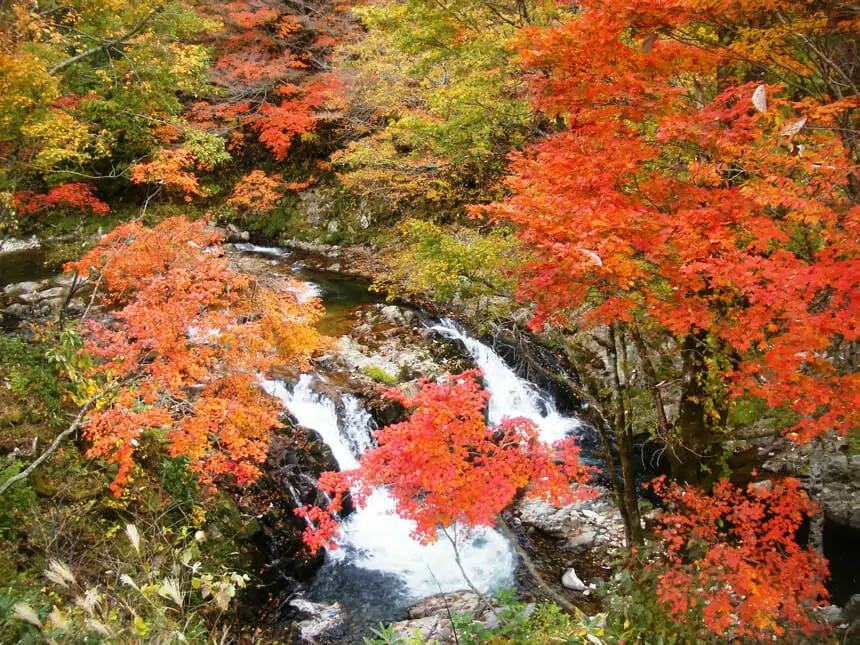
{"x": 375, "y": 538}
{"x": 316, "y": 412}
{"x": 510, "y": 396}
{"x": 378, "y": 566}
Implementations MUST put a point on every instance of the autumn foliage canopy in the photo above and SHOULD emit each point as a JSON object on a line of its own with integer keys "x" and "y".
{"x": 183, "y": 348}
{"x": 688, "y": 199}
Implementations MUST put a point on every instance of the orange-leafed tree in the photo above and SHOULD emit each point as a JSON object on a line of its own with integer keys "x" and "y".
{"x": 271, "y": 71}
{"x": 446, "y": 466}
{"x": 182, "y": 344}
{"x": 731, "y": 562}
{"x": 697, "y": 209}
{"x": 77, "y": 196}
{"x": 257, "y": 192}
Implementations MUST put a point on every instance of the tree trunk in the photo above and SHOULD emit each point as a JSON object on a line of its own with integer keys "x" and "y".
{"x": 624, "y": 438}
{"x": 816, "y": 476}
{"x": 693, "y": 434}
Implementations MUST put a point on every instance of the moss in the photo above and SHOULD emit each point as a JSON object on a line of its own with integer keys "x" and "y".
{"x": 380, "y": 375}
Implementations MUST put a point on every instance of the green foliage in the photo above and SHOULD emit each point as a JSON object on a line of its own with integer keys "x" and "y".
{"x": 528, "y": 624}
{"x": 514, "y": 623}
{"x": 447, "y": 102}
{"x": 30, "y": 375}
{"x": 453, "y": 262}
{"x": 161, "y": 591}
{"x": 15, "y": 504}
{"x": 72, "y": 111}
{"x": 380, "y": 375}
{"x": 634, "y": 615}
{"x": 178, "y": 481}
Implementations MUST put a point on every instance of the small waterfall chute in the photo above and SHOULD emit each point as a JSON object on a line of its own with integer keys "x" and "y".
{"x": 510, "y": 395}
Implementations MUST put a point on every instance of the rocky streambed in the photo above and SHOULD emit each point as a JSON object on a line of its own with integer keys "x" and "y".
{"x": 338, "y": 598}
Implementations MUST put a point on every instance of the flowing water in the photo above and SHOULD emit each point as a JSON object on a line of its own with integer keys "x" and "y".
{"x": 510, "y": 395}
{"x": 378, "y": 569}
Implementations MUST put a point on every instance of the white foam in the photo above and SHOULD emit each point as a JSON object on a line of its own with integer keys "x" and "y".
{"x": 511, "y": 396}
{"x": 246, "y": 247}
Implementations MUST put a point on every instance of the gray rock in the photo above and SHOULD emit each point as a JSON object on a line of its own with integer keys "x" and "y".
{"x": 851, "y": 611}
{"x": 431, "y": 630}
{"x": 831, "y": 614}
{"x": 571, "y": 581}
{"x": 20, "y": 287}
{"x": 323, "y": 620}
{"x": 30, "y": 297}
{"x": 457, "y": 602}
{"x": 13, "y": 245}
{"x": 391, "y": 314}
{"x": 545, "y": 517}
{"x": 49, "y": 294}
{"x": 15, "y": 311}
{"x": 583, "y": 540}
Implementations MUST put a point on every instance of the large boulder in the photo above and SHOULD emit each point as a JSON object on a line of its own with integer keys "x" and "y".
{"x": 431, "y": 617}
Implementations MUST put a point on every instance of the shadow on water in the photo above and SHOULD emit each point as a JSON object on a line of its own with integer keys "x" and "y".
{"x": 367, "y": 597}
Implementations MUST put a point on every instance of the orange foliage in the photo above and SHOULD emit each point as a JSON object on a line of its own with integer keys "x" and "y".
{"x": 171, "y": 168}
{"x": 185, "y": 344}
{"x": 79, "y": 196}
{"x": 732, "y": 556}
{"x": 257, "y": 191}
{"x": 712, "y": 208}
{"x": 445, "y": 465}
{"x": 268, "y": 63}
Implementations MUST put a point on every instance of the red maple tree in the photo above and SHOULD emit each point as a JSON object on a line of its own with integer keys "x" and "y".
{"x": 445, "y": 465}
{"x": 77, "y": 196}
{"x": 731, "y": 557}
{"x": 712, "y": 214}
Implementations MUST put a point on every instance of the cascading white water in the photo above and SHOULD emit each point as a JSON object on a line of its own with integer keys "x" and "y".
{"x": 374, "y": 537}
{"x": 317, "y": 412}
{"x": 274, "y": 251}
{"x": 510, "y": 396}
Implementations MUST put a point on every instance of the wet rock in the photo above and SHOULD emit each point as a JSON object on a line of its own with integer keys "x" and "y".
{"x": 851, "y": 611}
{"x": 831, "y": 614}
{"x": 571, "y": 581}
{"x": 545, "y": 517}
{"x": 50, "y": 307}
{"x": 432, "y": 630}
{"x": 13, "y": 245}
{"x": 30, "y": 297}
{"x": 234, "y": 234}
{"x": 582, "y": 540}
{"x": 391, "y": 314}
{"x": 323, "y": 622}
{"x": 430, "y": 618}
{"x": 52, "y": 293}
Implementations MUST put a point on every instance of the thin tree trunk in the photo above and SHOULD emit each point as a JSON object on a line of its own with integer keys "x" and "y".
{"x": 55, "y": 444}
{"x": 625, "y": 441}
{"x": 694, "y": 436}
{"x": 105, "y": 45}
{"x": 816, "y": 476}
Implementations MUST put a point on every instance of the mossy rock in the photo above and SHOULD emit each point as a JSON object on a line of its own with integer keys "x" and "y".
{"x": 12, "y": 415}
